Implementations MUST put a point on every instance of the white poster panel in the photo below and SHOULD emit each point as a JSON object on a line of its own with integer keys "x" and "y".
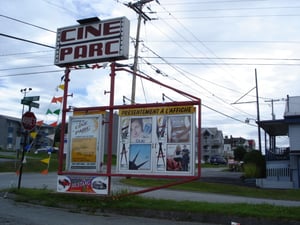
{"x": 82, "y": 184}
{"x": 157, "y": 141}
{"x": 85, "y": 149}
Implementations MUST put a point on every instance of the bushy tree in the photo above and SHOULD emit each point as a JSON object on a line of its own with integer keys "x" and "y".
{"x": 239, "y": 153}
{"x": 254, "y": 164}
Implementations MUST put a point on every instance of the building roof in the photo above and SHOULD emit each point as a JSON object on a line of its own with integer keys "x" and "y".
{"x": 275, "y": 127}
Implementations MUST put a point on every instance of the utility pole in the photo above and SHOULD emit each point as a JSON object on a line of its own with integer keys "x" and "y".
{"x": 272, "y": 105}
{"x": 258, "y": 114}
{"x": 137, "y": 7}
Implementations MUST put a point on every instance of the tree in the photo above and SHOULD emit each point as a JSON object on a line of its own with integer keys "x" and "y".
{"x": 57, "y": 132}
{"x": 239, "y": 153}
{"x": 254, "y": 164}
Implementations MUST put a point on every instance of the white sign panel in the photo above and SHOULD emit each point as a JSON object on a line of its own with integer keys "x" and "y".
{"x": 99, "y": 41}
{"x": 85, "y": 143}
{"x": 157, "y": 141}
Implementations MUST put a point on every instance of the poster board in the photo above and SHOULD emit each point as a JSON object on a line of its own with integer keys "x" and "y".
{"x": 157, "y": 140}
{"x": 85, "y": 149}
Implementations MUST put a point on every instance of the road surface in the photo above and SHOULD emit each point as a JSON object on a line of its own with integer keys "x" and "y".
{"x": 16, "y": 213}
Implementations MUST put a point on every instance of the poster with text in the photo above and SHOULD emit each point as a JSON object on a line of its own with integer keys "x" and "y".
{"x": 158, "y": 140}
{"x": 85, "y": 148}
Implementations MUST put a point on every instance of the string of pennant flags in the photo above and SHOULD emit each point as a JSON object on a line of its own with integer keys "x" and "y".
{"x": 54, "y": 109}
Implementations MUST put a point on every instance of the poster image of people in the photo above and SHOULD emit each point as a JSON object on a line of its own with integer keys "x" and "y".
{"x": 179, "y": 129}
{"x": 140, "y": 130}
{"x": 178, "y": 157}
{"x": 140, "y": 157}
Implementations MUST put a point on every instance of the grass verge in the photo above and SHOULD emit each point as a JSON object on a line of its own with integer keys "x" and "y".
{"x": 92, "y": 204}
{"x": 228, "y": 189}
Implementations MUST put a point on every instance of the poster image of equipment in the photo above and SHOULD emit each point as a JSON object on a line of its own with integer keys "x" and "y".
{"x": 161, "y": 127}
{"x": 82, "y": 184}
{"x": 124, "y": 128}
{"x": 124, "y": 156}
{"x": 179, "y": 129}
{"x": 161, "y": 157}
{"x": 178, "y": 157}
{"x": 83, "y": 154}
{"x": 140, "y": 157}
{"x": 140, "y": 130}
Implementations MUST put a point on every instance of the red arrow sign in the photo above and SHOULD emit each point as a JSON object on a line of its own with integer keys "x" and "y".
{"x": 28, "y": 120}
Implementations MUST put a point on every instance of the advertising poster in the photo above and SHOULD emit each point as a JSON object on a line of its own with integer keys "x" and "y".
{"x": 85, "y": 143}
{"x": 157, "y": 140}
{"x": 82, "y": 184}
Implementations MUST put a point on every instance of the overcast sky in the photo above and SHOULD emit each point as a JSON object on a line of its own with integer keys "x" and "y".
{"x": 208, "y": 48}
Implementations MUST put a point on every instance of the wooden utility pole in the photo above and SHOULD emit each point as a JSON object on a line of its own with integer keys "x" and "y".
{"x": 258, "y": 113}
{"x": 137, "y": 7}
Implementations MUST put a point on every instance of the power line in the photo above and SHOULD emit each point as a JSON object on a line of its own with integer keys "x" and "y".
{"x": 229, "y": 58}
{"x": 32, "y": 73}
{"x": 30, "y": 24}
{"x": 233, "y": 16}
{"x": 22, "y": 39}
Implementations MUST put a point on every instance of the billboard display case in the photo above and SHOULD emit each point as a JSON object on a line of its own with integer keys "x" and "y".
{"x": 158, "y": 141}
{"x": 85, "y": 151}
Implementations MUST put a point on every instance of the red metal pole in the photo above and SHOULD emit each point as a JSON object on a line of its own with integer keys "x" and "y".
{"x": 110, "y": 124}
{"x": 63, "y": 121}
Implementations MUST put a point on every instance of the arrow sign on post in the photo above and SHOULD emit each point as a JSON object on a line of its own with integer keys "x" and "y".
{"x": 29, "y": 100}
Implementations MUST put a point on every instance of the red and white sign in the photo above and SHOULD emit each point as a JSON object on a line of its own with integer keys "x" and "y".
{"x": 99, "y": 41}
{"x": 28, "y": 120}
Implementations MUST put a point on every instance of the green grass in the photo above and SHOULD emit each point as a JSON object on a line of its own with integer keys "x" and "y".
{"x": 92, "y": 203}
{"x": 129, "y": 204}
{"x": 228, "y": 189}
{"x": 33, "y": 163}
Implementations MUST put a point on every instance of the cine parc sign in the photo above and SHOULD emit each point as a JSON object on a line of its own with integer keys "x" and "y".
{"x": 92, "y": 41}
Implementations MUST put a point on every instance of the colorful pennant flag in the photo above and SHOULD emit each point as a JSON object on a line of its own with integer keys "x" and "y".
{"x": 48, "y": 111}
{"x": 47, "y": 160}
{"x": 62, "y": 86}
{"x": 57, "y": 111}
{"x": 33, "y": 134}
{"x": 44, "y": 172}
{"x": 57, "y": 99}
{"x": 39, "y": 123}
{"x": 53, "y": 124}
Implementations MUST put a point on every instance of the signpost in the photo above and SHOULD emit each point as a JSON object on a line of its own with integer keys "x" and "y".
{"x": 28, "y": 123}
{"x": 30, "y": 101}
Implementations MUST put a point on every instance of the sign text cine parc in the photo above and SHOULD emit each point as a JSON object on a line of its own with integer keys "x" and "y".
{"x": 98, "y": 41}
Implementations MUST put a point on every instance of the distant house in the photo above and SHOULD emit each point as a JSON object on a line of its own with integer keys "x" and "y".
{"x": 10, "y": 130}
{"x": 212, "y": 143}
{"x": 11, "y": 134}
{"x": 283, "y": 164}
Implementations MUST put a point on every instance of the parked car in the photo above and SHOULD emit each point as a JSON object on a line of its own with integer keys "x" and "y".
{"x": 46, "y": 149}
{"x": 216, "y": 160}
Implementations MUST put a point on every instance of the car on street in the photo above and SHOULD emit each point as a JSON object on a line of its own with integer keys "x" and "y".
{"x": 217, "y": 159}
{"x": 46, "y": 149}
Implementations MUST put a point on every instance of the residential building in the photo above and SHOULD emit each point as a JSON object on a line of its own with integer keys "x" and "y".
{"x": 212, "y": 143}
{"x": 10, "y": 130}
{"x": 283, "y": 164}
{"x": 11, "y": 134}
